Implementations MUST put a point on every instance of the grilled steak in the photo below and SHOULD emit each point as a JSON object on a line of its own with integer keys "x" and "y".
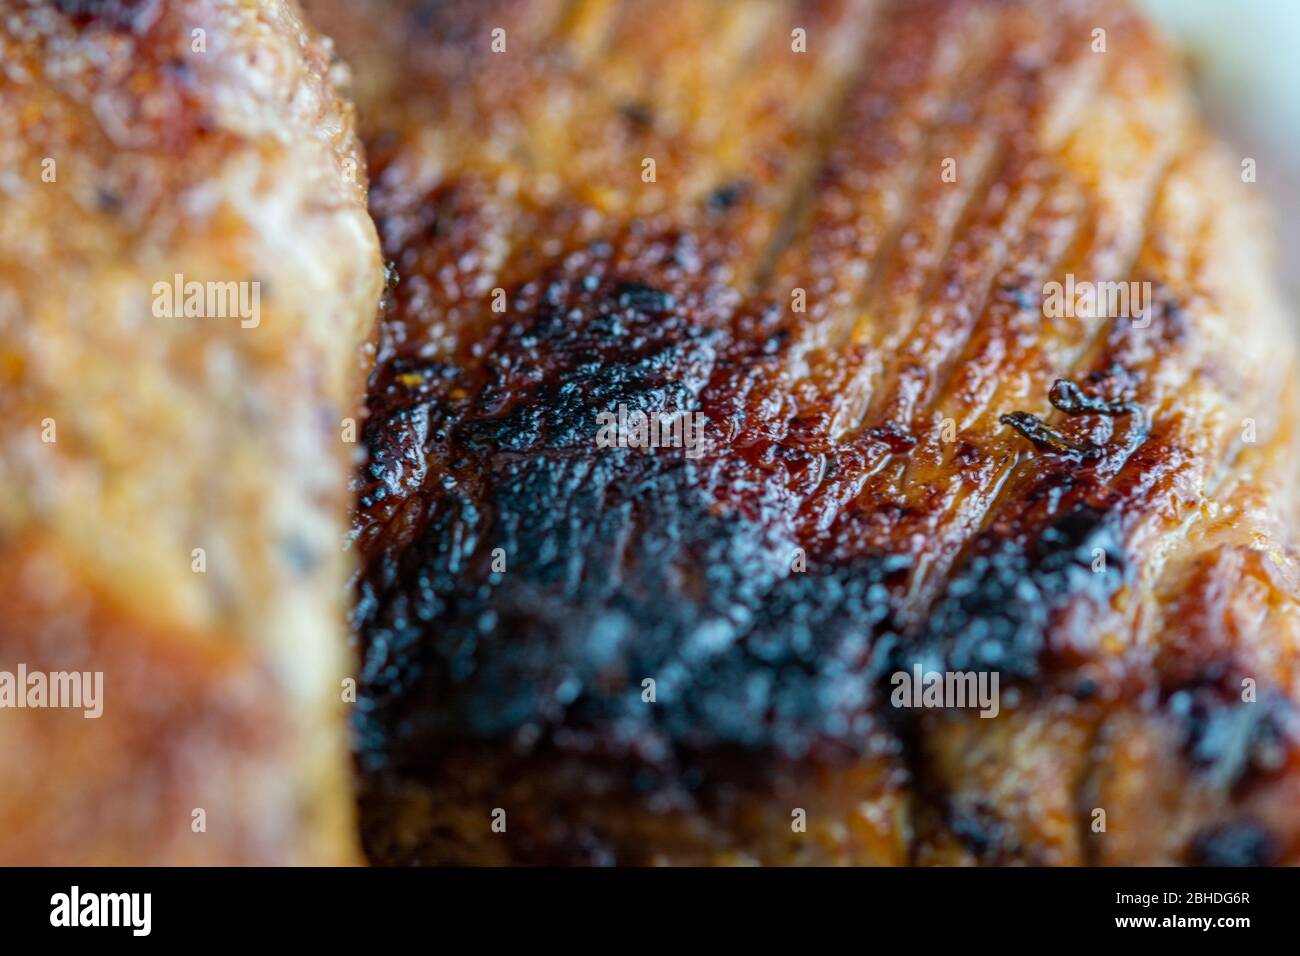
{"x": 743, "y": 366}
{"x": 173, "y": 462}
{"x": 916, "y": 452}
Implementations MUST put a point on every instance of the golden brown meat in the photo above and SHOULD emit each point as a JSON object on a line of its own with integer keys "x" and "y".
{"x": 890, "y": 474}
{"x": 173, "y": 487}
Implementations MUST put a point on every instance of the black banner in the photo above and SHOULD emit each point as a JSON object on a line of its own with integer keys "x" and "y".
{"x": 368, "y": 907}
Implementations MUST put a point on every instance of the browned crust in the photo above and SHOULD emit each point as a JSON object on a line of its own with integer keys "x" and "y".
{"x": 200, "y": 137}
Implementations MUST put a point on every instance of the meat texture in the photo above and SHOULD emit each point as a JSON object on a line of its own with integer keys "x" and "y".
{"x": 173, "y": 485}
{"x": 841, "y": 257}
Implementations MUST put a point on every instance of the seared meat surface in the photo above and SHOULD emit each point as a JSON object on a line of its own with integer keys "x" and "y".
{"x": 173, "y": 480}
{"x": 841, "y": 260}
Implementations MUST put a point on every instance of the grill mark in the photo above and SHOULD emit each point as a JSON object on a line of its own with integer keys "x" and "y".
{"x": 877, "y": 452}
{"x": 996, "y": 326}
{"x": 1022, "y": 88}
{"x": 1036, "y": 86}
{"x": 862, "y": 126}
{"x": 986, "y": 164}
{"x": 799, "y": 196}
{"x": 974, "y": 57}
{"x": 1071, "y": 369}
{"x": 972, "y": 506}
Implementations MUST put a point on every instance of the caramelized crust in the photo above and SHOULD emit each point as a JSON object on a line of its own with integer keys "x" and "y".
{"x": 891, "y": 475}
{"x": 139, "y": 140}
